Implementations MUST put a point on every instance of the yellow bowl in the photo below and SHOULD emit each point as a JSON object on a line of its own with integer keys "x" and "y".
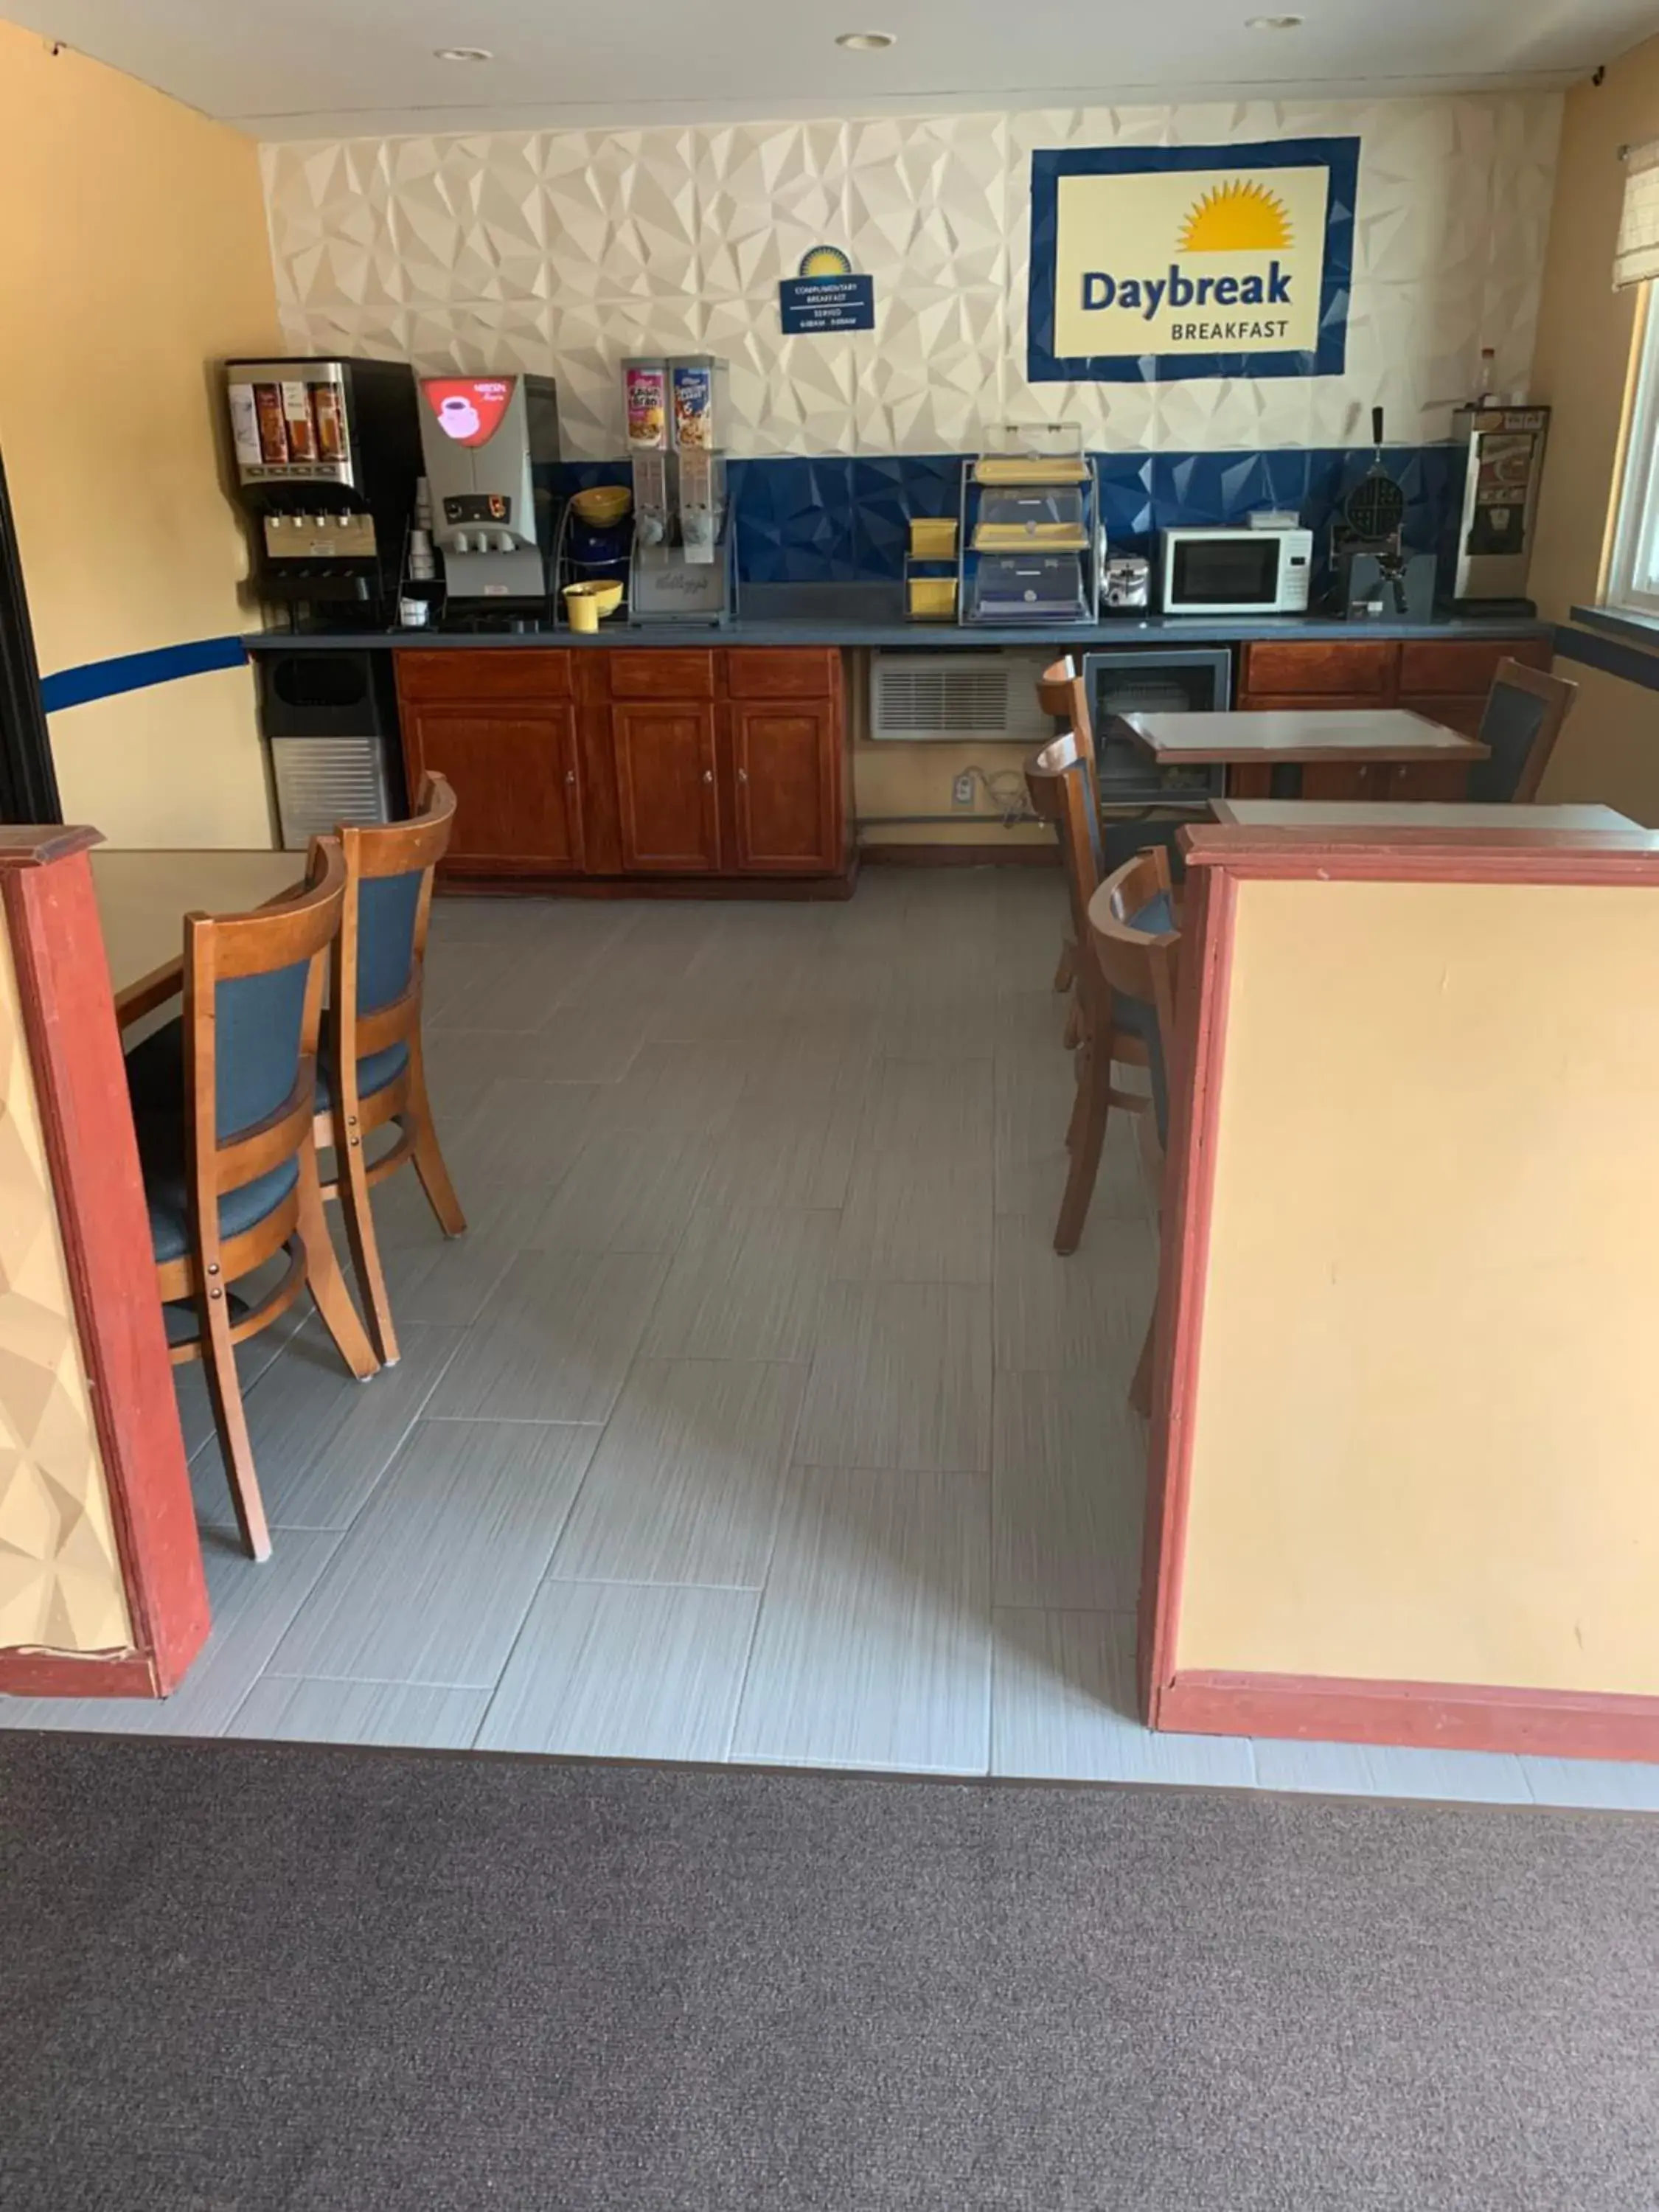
{"x": 602, "y": 504}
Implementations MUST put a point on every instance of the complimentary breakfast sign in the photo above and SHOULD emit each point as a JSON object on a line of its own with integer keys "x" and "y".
{"x": 1154, "y": 262}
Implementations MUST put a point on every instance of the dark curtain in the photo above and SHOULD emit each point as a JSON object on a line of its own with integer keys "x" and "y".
{"x": 29, "y": 788}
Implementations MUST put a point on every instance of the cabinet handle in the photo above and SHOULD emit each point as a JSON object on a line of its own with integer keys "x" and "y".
{"x": 709, "y": 775}
{"x": 570, "y": 776}
{"x": 743, "y": 775}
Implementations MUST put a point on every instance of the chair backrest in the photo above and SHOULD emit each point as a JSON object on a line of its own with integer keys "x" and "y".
{"x": 380, "y": 958}
{"x": 1059, "y": 791}
{"x": 254, "y": 999}
{"x": 1136, "y": 940}
{"x": 1521, "y": 722}
{"x": 1062, "y": 693}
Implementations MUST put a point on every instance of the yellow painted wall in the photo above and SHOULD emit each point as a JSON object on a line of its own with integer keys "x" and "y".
{"x": 133, "y": 255}
{"x": 1424, "y": 1430}
{"x": 1610, "y": 749}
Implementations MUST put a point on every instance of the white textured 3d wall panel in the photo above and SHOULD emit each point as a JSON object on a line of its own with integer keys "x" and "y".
{"x": 566, "y": 249}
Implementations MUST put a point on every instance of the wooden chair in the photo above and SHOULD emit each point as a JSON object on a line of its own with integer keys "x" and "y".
{"x": 1056, "y": 783}
{"x": 1062, "y": 693}
{"x": 1521, "y": 721}
{"x": 224, "y": 1103}
{"x": 1131, "y": 940}
{"x": 372, "y": 1070}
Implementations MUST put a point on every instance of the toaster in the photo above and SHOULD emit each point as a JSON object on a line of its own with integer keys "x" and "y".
{"x": 1127, "y": 582}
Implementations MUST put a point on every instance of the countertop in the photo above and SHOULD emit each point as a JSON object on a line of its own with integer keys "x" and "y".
{"x": 870, "y": 615}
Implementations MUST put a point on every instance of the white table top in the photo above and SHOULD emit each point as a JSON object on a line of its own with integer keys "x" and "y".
{"x": 1301, "y": 733}
{"x": 1409, "y": 814}
{"x": 144, "y": 895}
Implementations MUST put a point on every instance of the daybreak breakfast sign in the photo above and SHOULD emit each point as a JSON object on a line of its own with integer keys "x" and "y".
{"x": 1155, "y": 262}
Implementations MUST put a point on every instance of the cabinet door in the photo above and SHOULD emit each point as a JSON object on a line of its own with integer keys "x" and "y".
{"x": 1445, "y": 780}
{"x": 1344, "y": 779}
{"x": 787, "y": 773}
{"x": 667, "y": 814}
{"x": 1456, "y": 713}
{"x": 1327, "y": 669}
{"x": 518, "y": 794}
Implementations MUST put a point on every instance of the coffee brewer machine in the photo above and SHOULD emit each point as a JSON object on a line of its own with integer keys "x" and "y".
{"x": 492, "y": 455}
{"x": 326, "y": 453}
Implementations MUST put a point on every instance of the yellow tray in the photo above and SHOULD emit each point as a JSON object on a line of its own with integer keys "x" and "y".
{"x": 1035, "y": 538}
{"x": 933, "y": 599}
{"x": 1011, "y": 469}
{"x": 933, "y": 538}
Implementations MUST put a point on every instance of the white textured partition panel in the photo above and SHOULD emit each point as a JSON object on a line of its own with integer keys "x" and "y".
{"x": 566, "y": 249}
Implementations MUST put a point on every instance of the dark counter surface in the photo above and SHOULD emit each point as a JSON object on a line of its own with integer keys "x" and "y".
{"x": 871, "y": 614}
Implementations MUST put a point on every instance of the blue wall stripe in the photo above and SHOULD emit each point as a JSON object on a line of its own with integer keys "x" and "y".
{"x": 1609, "y": 655}
{"x": 132, "y": 672}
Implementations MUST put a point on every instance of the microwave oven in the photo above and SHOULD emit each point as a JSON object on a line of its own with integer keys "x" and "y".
{"x": 1235, "y": 572}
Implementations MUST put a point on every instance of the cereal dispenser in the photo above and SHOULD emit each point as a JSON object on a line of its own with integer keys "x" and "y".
{"x": 685, "y": 566}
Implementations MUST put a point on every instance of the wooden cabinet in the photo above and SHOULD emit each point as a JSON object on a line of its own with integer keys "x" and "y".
{"x": 1323, "y": 671}
{"x": 667, "y": 810}
{"x": 787, "y": 778}
{"x": 1445, "y": 679}
{"x": 501, "y": 725}
{"x": 626, "y": 764}
{"x": 518, "y": 794}
{"x": 1344, "y": 779}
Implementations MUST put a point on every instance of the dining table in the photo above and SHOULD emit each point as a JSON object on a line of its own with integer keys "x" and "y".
{"x": 1316, "y": 752}
{"x": 143, "y": 895}
{"x": 1412, "y": 814}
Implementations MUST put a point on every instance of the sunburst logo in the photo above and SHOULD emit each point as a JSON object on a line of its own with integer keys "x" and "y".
{"x": 1236, "y": 218}
{"x": 825, "y": 261}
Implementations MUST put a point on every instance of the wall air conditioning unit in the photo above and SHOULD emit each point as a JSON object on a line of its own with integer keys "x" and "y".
{"x": 988, "y": 693}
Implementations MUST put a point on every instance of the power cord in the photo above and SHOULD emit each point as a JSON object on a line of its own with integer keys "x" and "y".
{"x": 1006, "y": 789}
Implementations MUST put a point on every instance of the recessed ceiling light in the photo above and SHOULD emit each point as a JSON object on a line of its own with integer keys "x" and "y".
{"x": 866, "y": 42}
{"x": 1273, "y": 22}
{"x": 462, "y": 54}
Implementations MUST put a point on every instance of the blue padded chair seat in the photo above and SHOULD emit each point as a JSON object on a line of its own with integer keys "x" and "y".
{"x": 1155, "y": 919}
{"x": 375, "y": 1070}
{"x": 166, "y": 1188}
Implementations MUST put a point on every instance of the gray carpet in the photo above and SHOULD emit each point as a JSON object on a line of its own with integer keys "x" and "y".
{"x": 243, "y": 1977}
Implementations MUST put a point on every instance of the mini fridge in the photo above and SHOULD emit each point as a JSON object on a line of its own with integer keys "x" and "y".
{"x": 1153, "y": 679}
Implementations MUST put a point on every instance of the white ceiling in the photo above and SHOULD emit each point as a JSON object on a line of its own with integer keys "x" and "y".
{"x": 302, "y": 69}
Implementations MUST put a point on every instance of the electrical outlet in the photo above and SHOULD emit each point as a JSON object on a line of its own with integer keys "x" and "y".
{"x": 962, "y": 792}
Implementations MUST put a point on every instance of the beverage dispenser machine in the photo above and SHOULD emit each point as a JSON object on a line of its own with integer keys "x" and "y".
{"x": 326, "y": 453}
{"x": 1503, "y": 467}
{"x": 492, "y": 456}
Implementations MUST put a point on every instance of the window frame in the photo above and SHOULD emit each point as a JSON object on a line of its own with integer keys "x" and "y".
{"x": 1632, "y": 571}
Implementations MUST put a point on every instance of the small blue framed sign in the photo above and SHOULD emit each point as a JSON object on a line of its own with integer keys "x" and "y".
{"x": 1151, "y": 263}
{"x": 826, "y": 297}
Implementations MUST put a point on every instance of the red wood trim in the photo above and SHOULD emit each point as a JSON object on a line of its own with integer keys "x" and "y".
{"x": 1520, "y": 855}
{"x": 1448, "y": 1716}
{"x": 34, "y": 844}
{"x": 1190, "y": 1186}
{"x": 76, "y": 1674}
{"x": 69, "y": 1013}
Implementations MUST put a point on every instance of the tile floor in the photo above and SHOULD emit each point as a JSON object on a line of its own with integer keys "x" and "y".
{"x": 755, "y": 1418}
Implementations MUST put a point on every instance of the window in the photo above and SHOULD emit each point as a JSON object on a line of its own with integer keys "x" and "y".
{"x": 1634, "y": 570}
